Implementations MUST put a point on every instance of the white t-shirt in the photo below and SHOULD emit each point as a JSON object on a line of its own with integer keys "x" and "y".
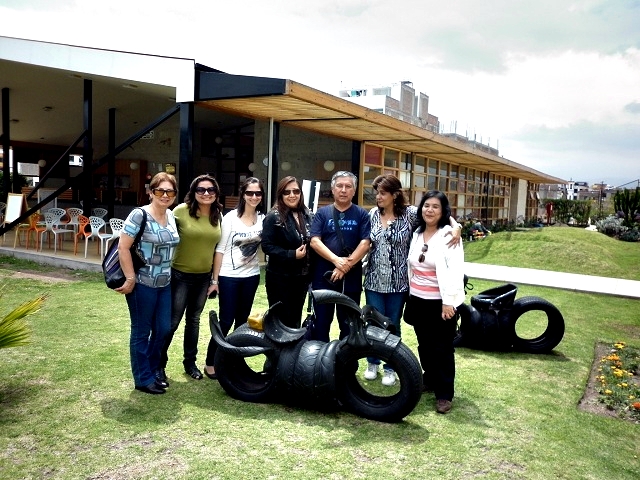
{"x": 239, "y": 246}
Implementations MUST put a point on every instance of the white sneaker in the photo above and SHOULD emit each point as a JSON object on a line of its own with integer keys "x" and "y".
{"x": 371, "y": 373}
{"x": 389, "y": 378}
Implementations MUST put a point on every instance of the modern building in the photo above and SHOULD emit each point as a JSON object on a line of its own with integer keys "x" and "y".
{"x": 129, "y": 116}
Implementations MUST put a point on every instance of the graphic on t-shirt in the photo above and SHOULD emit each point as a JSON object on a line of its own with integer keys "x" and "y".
{"x": 245, "y": 248}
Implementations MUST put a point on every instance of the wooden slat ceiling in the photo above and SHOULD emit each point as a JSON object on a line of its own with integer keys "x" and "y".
{"x": 309, "y": 109}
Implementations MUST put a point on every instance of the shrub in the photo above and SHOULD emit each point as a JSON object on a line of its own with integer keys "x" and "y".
{"x": 631, "y": 235}
{"x": 611, "y": 226}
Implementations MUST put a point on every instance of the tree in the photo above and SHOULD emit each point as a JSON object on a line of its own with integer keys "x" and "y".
{"x": 627, "y": 205}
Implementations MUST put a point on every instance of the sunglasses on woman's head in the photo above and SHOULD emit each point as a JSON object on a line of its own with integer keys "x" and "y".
{"x": 202, "y": 190}
{"x": 425, "y": 247}
{"x": 295, "y": 191}
{"x": 159, "y": 192}
{"x": 253, "y": 194}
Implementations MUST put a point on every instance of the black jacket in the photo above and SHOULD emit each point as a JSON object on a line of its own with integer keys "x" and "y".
{"x": 280, "y": 241}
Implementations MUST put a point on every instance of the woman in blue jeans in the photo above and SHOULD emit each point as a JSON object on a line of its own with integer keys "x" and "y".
{"x": 236, "y": 272}
{"x": 198, "y": 220}
{"x": 386, "y": 281}
{"x": 148, "y": 291}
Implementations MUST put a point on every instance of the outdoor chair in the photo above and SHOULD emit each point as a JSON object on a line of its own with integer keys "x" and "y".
{"x": 116, "y": 224}
{"x": 27, "y": 228}
{"x": 99, "y": 212}
{"x": 96, "y": 224}
{"x": 59, "y": 213}
{"x": 82, "y": 224}
{"x": 73, "y": 214}
{"x": 52, "y": 227}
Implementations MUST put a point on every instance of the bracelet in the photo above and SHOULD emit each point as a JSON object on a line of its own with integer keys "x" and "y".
{"x": 213, "y": 282}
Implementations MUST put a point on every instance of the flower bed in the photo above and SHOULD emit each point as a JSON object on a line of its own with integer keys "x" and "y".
{"x": 618, "y": 385}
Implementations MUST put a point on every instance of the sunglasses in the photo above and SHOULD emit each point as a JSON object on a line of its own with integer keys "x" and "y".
{"x": 425, "y": 247}
{"x": 159, "y": 192}
{"x": 202, "y": 190}
{"x": 253, "y": 194}
{"x": 295, "y": 191}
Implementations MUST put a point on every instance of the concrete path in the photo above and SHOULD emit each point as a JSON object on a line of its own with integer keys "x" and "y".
{"x": 565, "y": 281}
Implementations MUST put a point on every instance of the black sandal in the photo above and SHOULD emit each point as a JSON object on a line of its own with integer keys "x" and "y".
{"x": 212, "y": 376}
{"x": 193, "y": 372}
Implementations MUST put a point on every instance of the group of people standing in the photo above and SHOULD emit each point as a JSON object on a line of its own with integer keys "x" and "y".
{"x": 414, "y": 262}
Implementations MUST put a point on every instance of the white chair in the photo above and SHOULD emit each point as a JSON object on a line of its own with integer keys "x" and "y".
{"x": 116, "y": 224}
{"x": 50, "y": 219}
{"x": 99, "y": 212}
{"x": 73, "y": 214}
{"x": 59, "y": 213}
{"x": 96, "y": 224}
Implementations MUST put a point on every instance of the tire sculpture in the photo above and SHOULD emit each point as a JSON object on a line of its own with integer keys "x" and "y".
{"x": 318, "y": 374}
{"x": 489, "y": 323}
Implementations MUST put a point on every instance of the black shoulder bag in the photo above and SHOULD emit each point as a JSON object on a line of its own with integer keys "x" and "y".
{"x": 113, "y": 275}
{"x": 344, "y": 250}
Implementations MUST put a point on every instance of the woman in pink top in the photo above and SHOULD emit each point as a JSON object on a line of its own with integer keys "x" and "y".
{"x": 436, "y": 288}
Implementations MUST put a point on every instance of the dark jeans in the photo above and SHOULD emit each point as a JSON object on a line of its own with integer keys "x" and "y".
{"x": 150, "y": 312}
{"x": 435, "y": 344}
{"x": 235, "y": 299}
{"x": 390, "y": 305}
{"x": 324, "y": 312}
{"x": 188, "y": 294}
{"x": 291, "y": 291}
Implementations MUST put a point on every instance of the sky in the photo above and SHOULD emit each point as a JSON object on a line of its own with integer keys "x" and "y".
{"x": 553, "y": 84}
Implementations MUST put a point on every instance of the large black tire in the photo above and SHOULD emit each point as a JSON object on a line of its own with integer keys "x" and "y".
{"x": 553, "y": 333}
{"x": 286, "y": 366}
{"x": 392, "y": 408}
{"x": 235, "y": 375}
{"x": 469, "y": 329}
{"x": 314, "y": 375}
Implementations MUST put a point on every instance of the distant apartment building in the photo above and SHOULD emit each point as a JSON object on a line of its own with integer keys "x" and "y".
{"x": 577, "y": 190}
{"x": 552, "y": 191}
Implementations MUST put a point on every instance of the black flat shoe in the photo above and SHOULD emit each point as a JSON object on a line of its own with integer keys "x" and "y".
{"x": 161, "y": 379}
{"x": 153, "y": 389}
{"x": 212, "y": 376}
{"x": 193, "y": 372}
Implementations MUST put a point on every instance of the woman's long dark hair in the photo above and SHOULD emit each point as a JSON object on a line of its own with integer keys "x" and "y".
{"x": 190, "y": 199}
{"x": 391, "y": 184}
{"x": 283, "y": 209}
{"x": 446, "y": 210}
{"x": 242, "y": 203}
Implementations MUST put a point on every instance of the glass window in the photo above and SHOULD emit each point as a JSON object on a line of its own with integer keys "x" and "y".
{"x": 368, "y": 196}
{"x": 405, "y": 178}
{"x": 431, "y": 182}
{"x": 372, "y": 155}
{"x": 391, "y": 158}
{"x": 405, "y": 161}
{"x": 419, "y": 181}
{"x": 420, "y": 165}
{"x": 370, "y": 173}
{"x": 444, "y": 167}
{"x": 433, "y": 167}
{"x": 454, "y": 171}
{"x": 442, "y": 184}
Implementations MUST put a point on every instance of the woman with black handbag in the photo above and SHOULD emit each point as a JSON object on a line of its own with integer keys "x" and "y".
{"x": 148, "y": 291}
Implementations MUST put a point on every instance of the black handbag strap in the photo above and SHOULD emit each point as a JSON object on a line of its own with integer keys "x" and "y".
{"x": 143, "y": 225}
{"x": 336, "y": 225}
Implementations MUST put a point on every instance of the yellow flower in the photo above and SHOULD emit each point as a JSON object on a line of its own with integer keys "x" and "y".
{"x": 619, "y": 345}
{"x": 608, "y": 392}
{"x": 624, "y": 385}
{"x": 617, "y": 373}
{"x": 631, "y": 397}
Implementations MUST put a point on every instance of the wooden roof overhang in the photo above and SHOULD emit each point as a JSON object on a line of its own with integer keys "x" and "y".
{"x": 297, "y": 105}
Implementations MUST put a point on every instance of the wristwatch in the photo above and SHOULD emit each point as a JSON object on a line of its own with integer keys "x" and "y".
{"x": 213, "y": 282}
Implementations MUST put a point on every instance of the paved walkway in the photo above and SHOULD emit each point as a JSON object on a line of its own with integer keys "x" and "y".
{"x": 565, "y": 281}
{"x": 523, "y": 276}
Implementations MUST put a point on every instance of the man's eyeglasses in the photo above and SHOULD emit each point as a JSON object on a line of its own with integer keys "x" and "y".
{"x": 253, "y": 194}
{"x": 425, "y": 247}
{"x": 159, "y": 192}
{"x": 295, "y": 191}
{"x": 202, "y": 190}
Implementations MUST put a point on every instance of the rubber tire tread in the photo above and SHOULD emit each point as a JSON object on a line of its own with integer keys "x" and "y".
{"x": 237, "y": 378}
{"x": 383, "y": 409}
{"x": 552, "y": 335}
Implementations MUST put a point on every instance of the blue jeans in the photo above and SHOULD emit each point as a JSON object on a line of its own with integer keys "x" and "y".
{"x": 390, "y": 305}
{"x": 188, "y": 293}
{"x": 235, "y": 299}
{"x": 150, "y": 312}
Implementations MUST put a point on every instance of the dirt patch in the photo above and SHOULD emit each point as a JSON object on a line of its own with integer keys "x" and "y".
{"x": 589, "y": 401}
{"x": 51, "y": 277}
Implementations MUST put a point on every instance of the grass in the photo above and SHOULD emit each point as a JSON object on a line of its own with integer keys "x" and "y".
{"x": 561, "y": 249}
{"x": 68, "y": 409}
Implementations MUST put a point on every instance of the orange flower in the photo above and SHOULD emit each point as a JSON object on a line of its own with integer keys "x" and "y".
{"x": 636, "y": 405}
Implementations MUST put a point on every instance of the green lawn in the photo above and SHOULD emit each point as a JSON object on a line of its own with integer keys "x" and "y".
{"x": 68, "y": 409}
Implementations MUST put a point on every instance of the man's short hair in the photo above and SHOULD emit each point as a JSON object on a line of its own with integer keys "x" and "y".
{"x": 344, "y": 173}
